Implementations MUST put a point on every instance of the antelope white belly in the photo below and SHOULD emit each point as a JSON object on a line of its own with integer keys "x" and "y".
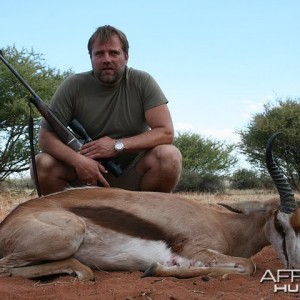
{"x": 109, "y": 250}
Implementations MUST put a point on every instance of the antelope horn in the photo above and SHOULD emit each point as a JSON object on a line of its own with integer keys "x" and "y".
{"x": 287, "y": 199}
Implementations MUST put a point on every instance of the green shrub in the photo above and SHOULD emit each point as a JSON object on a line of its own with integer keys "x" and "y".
{"x": 192, "y": 181}
{"x": 244, "y": 179}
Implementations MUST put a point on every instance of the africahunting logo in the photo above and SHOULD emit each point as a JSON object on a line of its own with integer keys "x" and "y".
{"x": 284, "y": 280}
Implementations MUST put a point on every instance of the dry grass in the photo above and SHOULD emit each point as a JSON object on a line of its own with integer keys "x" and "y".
{"x": 232, "y": 196}
{"x": 9, "y": 199}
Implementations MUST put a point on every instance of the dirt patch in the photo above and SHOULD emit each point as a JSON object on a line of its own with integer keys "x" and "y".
{"x": 130, "y": 285}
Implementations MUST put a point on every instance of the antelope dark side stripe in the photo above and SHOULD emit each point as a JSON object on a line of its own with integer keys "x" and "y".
{"x": 122, "y": 222}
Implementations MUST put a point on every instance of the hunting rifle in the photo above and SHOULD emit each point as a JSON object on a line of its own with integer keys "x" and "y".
{"x": 65, "y": 135}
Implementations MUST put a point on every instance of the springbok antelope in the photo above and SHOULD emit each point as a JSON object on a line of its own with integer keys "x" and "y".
{"x": 162, "y": 234}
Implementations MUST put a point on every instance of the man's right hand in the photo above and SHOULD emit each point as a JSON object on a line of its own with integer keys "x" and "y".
{"x": 90, "y": 171}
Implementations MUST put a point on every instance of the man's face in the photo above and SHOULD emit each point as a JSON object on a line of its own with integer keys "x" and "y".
{"x": 108, "y": 60}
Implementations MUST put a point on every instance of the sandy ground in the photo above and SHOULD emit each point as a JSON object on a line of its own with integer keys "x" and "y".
{"x": 130, "y": 285}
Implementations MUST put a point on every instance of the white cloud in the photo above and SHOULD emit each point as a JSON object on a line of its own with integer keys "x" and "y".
{"x": 225, "y": 134}
{"x": 183, "y": 126}
{"x": 253, "y": 106}
{"x": 246, "y": 116}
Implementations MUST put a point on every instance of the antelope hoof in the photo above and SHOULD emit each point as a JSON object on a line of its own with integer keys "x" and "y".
{"x": 151, "y": 271}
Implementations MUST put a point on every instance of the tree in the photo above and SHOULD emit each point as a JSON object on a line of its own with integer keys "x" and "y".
{"x": 205, "y": 163}
{"x": 14, "y": 110}
{"x": 283, "y": 117}
{"x": 205, "y": 156}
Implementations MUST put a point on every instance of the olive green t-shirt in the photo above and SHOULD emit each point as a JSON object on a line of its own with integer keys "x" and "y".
{"x": 116, "y": 111}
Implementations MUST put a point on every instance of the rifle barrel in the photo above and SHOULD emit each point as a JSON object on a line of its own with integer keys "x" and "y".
{"x": 33, "y": 93}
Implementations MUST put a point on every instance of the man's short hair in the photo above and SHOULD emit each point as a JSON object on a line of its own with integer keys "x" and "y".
{"x": 104, "y": 33}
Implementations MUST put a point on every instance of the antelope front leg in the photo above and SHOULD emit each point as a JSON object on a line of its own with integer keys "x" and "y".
{"x": 212, "y": 263}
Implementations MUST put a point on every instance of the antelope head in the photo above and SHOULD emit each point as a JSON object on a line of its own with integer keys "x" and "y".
{"x": 284, "y": 233}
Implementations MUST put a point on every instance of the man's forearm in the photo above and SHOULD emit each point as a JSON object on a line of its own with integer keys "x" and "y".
{"x": 148, "y": 140}
{"x": 52, "y": 145}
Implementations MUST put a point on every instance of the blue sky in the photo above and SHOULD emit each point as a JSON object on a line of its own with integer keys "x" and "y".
{"x": 217, "y": 61}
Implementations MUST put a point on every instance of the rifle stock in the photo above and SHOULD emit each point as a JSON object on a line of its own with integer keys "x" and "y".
{"x": 65, "y": 135}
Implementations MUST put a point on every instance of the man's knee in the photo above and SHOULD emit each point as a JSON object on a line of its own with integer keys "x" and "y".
{"x": 47, "y": 166}
{"x": 160, "y": 169}
{"x": 164, "y": 160}
{"x": 44, "y": 162}
{"x": 169, "y": 156}
{"x": 53, "y": 175}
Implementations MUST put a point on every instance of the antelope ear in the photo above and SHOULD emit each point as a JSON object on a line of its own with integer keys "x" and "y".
{"x": 295, "y": 220}
{"x": 248, "y": 207}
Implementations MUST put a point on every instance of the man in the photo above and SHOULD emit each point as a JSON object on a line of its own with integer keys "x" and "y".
{"x": 125, "y": 113}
